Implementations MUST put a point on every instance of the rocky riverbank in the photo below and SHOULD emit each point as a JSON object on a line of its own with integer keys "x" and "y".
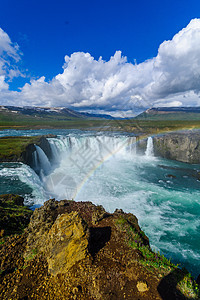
{"x": 181, "y": 146}
{"x": 76, "y": 250}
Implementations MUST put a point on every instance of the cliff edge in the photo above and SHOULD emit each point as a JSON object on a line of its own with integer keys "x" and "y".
{"x": 180, "y": 146}
{"x": 21, "y": 148}
{"x": 76, "y": 250}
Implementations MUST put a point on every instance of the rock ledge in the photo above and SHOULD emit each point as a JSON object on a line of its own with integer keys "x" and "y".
{"x": 76, "y": 250}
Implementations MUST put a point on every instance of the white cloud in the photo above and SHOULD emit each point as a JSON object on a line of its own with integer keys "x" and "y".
{"x": 172, "y": 78}
{"x": 177, "y": 65}
{"x": 9, "y": 57}
{"x": 3, "y": 84}
{"x": 6, "y": 46}
{"x": 89, "y": 83}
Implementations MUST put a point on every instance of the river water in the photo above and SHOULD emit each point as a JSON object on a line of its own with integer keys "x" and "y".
{"x": 107, "y": 169}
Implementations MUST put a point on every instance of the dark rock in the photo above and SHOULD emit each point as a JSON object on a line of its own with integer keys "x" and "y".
{"x": 184, "y": 147}
{"x": 141, "y": 145}
{"x": 45, "y": 146}
{"x": 27, "y": 155}
{"x": 14, "y": 216}
{"x": 10, "y": 199}
{"x": 170, "y": 176}
{"x": 119, "y": 211}
{"x": 198, "y": 280}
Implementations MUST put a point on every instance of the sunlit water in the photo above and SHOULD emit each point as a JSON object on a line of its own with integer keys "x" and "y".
{"x": 107, "y": 170}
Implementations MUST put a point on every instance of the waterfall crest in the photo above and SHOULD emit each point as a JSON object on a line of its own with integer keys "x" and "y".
{"x": 98, "y": 147}
{"x": 74, "y": 158}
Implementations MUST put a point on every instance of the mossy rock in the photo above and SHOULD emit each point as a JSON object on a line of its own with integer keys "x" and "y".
{"x": 14, "y": 216}
{"x": 11, "y": 200}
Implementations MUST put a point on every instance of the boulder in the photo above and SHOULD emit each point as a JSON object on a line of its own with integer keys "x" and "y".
{"x": 66, "y": 243}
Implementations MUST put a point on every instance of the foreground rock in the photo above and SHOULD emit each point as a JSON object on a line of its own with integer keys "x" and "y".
{"x": 14, "y": 216}
{"x": 76, "y": 250}
{"x": 182, "y": 146}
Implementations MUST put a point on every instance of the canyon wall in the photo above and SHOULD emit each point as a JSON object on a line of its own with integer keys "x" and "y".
{"x": 180, "y": 146}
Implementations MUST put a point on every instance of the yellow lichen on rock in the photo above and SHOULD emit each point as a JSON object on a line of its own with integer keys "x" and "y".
{"x": 142, "y": 286}
{"x": 67, "y": 243}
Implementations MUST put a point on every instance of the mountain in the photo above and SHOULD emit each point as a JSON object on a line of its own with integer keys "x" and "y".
{"x": 171, "y": 113}
{"x": 50, "y": 112}
{"x": 97, "y": 116}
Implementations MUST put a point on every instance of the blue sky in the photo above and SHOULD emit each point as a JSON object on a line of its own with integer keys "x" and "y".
{"x": 46, "y": 31}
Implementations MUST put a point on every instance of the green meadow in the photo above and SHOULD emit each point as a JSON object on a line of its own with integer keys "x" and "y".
{"x": 141, "y": 126}
{"x": 14, "y": 146}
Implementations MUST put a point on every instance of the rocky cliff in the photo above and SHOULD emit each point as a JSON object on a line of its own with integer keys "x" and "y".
{"x": 20, "y": 149}
{"x": 76, "y": 250}
{"x": 181, "y": 146}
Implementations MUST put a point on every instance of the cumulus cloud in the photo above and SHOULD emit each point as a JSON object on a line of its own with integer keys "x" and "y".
{"x": 87, "y": 83}
{"x": 172, "y": 78}
{"x": 176, "y": 66}
{"x": 9, "y": 57}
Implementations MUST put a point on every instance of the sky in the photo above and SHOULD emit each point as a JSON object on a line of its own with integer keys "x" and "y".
{"x": 116, "y": 57}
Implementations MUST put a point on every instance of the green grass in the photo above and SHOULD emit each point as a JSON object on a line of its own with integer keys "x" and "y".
{"x": 14, "y": 146}
{"x": 175, "y": 116}
{"x": 145, "y": 126}
{"x": 188, "y": 287}
{"x": 20, "y": 121}
{"x": 135, "y": 239}
{"x": 157, "y": 263}
{"x": 31, "y": 255}
{"x": 121, "y": 221}
{"x": 157, "y": 126}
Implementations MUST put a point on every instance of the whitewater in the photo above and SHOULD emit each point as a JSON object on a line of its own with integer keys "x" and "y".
{"x": 107, "y": 169}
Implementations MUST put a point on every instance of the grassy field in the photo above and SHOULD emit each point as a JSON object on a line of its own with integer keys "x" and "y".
{"x": 152, "y": 126}
{"x": 139, "y": 126}
{"x": 11, "y": 147}
{"x": 19, "y": 121}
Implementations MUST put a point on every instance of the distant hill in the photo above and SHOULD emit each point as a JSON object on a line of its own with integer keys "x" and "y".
{"x": 97, "y": 116}
{"x": 170, "y": 113}
{"x": 61, "y": 113}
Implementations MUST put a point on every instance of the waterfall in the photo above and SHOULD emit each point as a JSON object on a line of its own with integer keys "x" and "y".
{"x": 43, "y": 160}
{"x": 149, "y": 149}
{"x": 54, "y": 149}
{"x": 36, "y": 166}
{"x": 85, "y": 151}
{"x": 101, "y": 145}
{"x": 75, "y": 157}
{"x": 132, "y": 145}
